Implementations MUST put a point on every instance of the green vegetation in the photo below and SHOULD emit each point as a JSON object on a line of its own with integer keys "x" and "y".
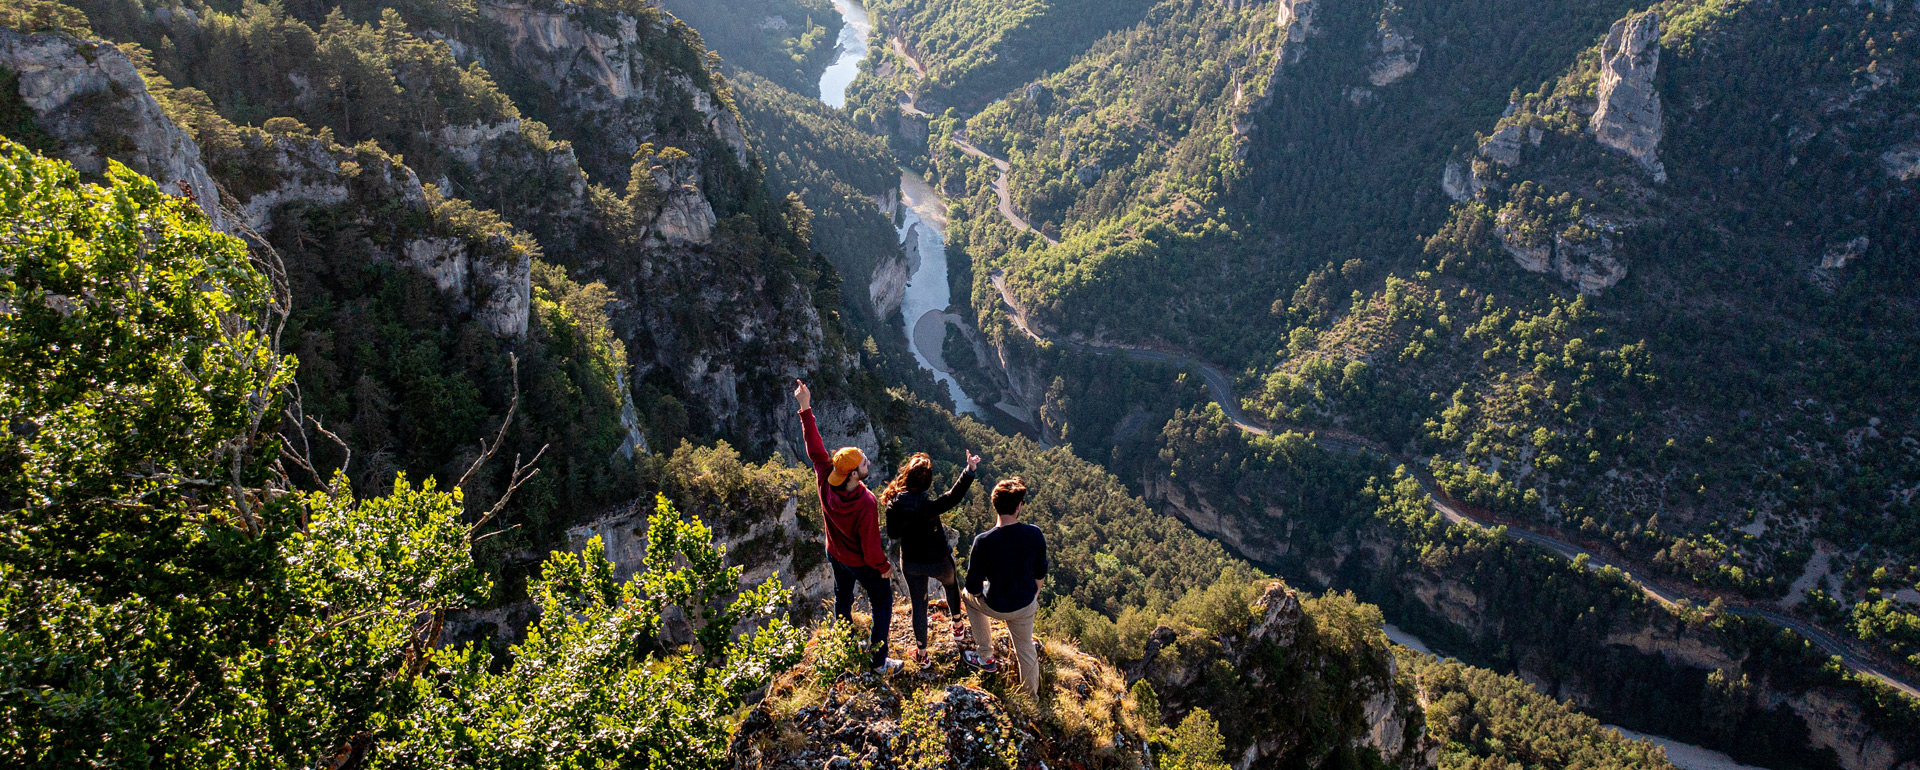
{"x": 1487, "y": 720}
{"x": 974, "y": 50}
{"x": 1292, "y": 228}
{"x": 789, "y": 42}
{"x": 168, "y": 600}
{"x": 591, "y": 685}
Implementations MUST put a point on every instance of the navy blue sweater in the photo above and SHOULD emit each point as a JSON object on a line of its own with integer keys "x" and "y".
{"x": 1007, "y": 560}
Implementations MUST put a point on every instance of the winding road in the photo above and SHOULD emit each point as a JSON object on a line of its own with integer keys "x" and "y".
{"x": 1220, "y": 387}
{"x": 1000, "y": 188}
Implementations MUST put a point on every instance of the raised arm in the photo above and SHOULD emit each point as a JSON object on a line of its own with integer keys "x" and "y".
{"x": 946, "y": 502}
{"x": 816, "y": 448}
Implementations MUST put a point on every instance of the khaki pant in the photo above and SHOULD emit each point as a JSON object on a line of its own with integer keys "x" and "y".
{"x": 1019, "y": 626}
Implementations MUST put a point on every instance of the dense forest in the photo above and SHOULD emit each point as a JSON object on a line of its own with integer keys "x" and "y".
{"x": 1286, "y": 212}
{"x": 400, "y": 384}
{"x": 789, "y": 42}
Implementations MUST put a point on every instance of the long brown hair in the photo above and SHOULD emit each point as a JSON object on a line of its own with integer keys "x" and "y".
{"x": 916, "y": 475}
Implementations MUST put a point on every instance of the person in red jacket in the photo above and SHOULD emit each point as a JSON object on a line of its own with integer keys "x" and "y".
{"x": 853, "y": 531}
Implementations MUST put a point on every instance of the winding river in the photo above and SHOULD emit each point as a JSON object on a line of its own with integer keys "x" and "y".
{"x": 923, "y": 222}
{"x": 924, "y": 219}
{"x": 849, "y": 51}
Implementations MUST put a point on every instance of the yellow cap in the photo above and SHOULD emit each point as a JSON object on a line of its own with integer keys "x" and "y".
{"x": 845, "y": 461}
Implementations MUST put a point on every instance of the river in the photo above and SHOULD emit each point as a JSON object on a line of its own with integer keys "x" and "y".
{"x": 923, "y": 219}
{"x": 924, "y": 308}
{"x": 849, "y": 51}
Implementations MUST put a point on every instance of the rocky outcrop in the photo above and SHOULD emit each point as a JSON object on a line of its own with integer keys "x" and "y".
{"x": 686, "y": 217}
{"x": 1271, "y": 656}
{"x": 1839, "y": 724}
{"x": 486, "y": 275}
{"x": 1902, "y": 163}
{"x": 1262, "y": 544}
{"x": 1504, "y": 146}
{"x": 943, "y": 713}
{"x": 1399, "y": 57}
{"x": 1296, "y": 17}
{"x": 1584, "y": 255}
{"x": 490, "y": 280}
{"x": 1460, "y": 183}
{"x": 601, "y": 67}
{"x": 91, "y": 99}
{"x": 888, "y": 286}
{"x": 1836, "y": 258}
{"x": 1628, "y": 116}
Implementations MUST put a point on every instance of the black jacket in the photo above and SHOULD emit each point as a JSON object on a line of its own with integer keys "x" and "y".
{"x": 914, "y": 520}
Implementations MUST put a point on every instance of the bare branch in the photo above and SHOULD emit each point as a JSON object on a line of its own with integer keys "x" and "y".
{"x": 520, "y": 475}
{"x": 487, "y": 450}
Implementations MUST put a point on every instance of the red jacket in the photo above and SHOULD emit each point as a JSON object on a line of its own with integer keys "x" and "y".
{"x": 853, "y": 518}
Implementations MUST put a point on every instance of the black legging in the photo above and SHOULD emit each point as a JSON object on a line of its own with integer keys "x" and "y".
{"x": 879, "y": 594}
{"x": 917, "y": 592}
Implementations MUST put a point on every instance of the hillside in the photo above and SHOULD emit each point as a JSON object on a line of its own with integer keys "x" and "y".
{"x": 287, "y": 284}
{"x": 1524, "y": 265}
{"x": 787, "y": 41}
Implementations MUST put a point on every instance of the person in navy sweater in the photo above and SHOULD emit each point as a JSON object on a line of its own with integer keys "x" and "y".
{"x": 853, "y": 531}
{"x": 1005, "y": 571}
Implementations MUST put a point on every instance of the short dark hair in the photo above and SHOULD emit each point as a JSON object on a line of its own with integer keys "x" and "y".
{"x": 1008, "y": 495}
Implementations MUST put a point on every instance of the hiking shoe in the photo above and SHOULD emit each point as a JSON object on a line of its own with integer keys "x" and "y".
{"x": 920, "y": 655}
{"x": 961, "y": 630}
{"x": 891, "y": 665}
{"x": 988, "y": 665}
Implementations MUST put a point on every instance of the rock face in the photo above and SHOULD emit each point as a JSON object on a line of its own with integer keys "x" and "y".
{"x": 1399, "y": 57}
{"x": 1902, "y": 163}
{"x": 1628, "y": 117}
{"x": 489, "y": 277}
{"x": 90, "y": 98}
{"x": 1836, "y": 258}
{"x": 604, "y": 73}
{"x": 695, "y": 308}
{"x": 1391, "y": 721}
{"x": 1585, "y": 256}
{"x": 888, "y": 286}
{"x": 1504, "y": 146}
{"x": 1460, "y": 183}
{"x": 1837, "y": 724}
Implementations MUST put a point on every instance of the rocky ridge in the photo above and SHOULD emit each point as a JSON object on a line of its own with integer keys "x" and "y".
{"x": 1628, "y": 116}
{"x": 100, "y": 95}
{"x": 91, "y": 99}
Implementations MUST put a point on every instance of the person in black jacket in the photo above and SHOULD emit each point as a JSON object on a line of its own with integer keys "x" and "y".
{"x": 914, "y": 520}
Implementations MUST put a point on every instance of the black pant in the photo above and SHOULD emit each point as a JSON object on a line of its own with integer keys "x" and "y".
{"x": 917, "y": 575}
{"x": 879, "y": 594}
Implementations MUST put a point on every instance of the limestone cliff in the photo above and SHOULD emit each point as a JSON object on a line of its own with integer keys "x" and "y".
{"x": 707, "y": 309}
{"x": 1398, "y": 56}
{"x": 600, "y": 69}
{"x": 1628, "y": 117}
{"x": 887, "y": 287}
{"x": 1283, "y": 642}
{"x": 484, "y": 274}
{"x": 91, "y": 99}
